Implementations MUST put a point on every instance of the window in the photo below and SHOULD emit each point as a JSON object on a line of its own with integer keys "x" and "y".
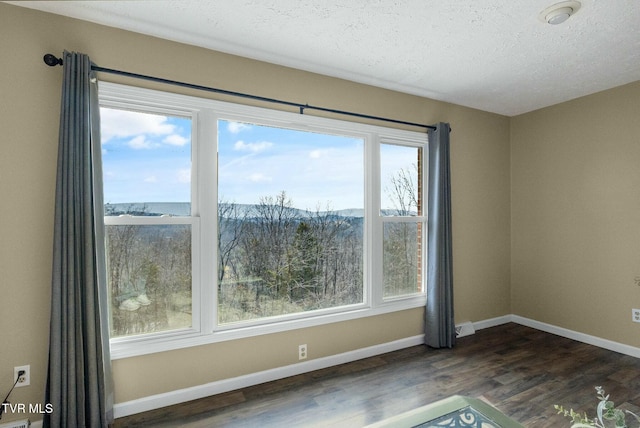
{"x": 402, "y": 216}
{"x": 149, "y": 226}
{"x": 225, "y": 221}
{"x": 290, "y": 229}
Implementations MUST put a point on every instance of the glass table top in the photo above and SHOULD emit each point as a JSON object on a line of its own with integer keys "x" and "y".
{"x": 456, "y": 411}
{"x": 465, "y": 417}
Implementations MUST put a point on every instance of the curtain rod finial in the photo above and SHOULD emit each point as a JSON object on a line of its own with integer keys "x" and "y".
{"x": 51, "y": 60}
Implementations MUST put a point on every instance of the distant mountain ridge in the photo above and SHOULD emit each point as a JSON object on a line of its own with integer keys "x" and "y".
{"x": 181, "y": 209}
{"x": 152, "y": 209}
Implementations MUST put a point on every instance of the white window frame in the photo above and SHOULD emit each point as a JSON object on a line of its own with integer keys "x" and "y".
{"x": 382, "y": 219}
{"x": 205, "y": 114}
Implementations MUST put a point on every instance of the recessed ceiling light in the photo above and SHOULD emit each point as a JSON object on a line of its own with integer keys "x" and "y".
{"x": 559, "y": 12}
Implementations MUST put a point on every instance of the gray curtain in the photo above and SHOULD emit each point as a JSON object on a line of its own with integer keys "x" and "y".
{"x": 440, "y": 330}
{"x": 79, "y": 374}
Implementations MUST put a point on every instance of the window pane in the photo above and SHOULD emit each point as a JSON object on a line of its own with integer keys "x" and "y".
{"x": 402, "y": 263}
{"x": 290, "y": 221}
{"x": 149, "y": 278}
{"x": 400, "y": 181}
{"x": 146, "y": 163}
{"x": 147, "y": 172}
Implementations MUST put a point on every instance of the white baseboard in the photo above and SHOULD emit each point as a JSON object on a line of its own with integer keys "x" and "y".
{"x": 560, "y": 331}
{"x": 193, "y": 393}
{"x": 492, "y": 322}
{"x": 580, "y": 337}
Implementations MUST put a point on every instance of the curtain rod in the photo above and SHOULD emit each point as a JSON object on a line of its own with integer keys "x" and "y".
{"x": 51, "y": 60}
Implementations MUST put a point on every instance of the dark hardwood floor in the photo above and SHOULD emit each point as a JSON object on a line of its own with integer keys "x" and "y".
{"x": 521, "y": 371}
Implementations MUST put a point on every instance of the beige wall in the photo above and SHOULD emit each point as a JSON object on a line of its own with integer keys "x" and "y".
{"x": 575, "y": 176}
{"x": 29, "y": 107}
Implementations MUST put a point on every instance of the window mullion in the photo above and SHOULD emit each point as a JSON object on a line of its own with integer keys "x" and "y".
{"x": 207, "y": 204}
{"x": 374, "y": 243}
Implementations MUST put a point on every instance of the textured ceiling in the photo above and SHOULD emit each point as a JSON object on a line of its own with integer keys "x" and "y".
{"x": 494, "y": 55}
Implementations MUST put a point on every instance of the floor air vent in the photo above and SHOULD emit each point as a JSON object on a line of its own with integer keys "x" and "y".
{"x": 465, "y": 329}
{"x": 16, "y": 424}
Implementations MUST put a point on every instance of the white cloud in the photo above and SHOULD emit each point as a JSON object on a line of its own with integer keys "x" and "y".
{"x": 116, "y": 123}
{"x": 151, "y": 179}
{"x": 139, "y": 142}
{"x": 317, "y": 154}
{"x": 252, "y": 147}
{"x": 258, "y": 177}
{"x": 175, "y": 140}
{"x": 184, "y": 175}
{"x": 335, "y": 177}
{"x": 236, "y": 127}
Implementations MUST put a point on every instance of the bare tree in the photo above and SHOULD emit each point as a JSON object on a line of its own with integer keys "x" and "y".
{"x": 149, "y": 275}
{"x": 403, "y": 191}
{"x": 400, "y": 246}
{"x": 231, "y": 227}
{"x": 265, "y": 239}
{"x": 287, "y": 260}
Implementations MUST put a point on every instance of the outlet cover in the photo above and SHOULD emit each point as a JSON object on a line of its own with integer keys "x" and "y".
{"x": 635, "y": 315}
{"x": 25, "y": 379}
{"x": 302, "y": 352}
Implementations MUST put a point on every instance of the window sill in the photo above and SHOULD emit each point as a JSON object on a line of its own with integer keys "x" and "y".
{"x": 132, "y": 347}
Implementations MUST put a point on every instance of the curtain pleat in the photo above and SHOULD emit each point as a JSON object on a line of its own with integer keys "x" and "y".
{"x": 79, "y": 374}
{"x": 440, "y": 328}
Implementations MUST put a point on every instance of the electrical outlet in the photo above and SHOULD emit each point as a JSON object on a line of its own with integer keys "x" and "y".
{"x": 25, "y": 379}
{"x": 635, "y": 315}
{"x": 302, "y": 352}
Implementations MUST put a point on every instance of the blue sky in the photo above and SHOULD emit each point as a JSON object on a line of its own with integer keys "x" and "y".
{"x": 315, "y": 170}
{"x": 147, "y": 158}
